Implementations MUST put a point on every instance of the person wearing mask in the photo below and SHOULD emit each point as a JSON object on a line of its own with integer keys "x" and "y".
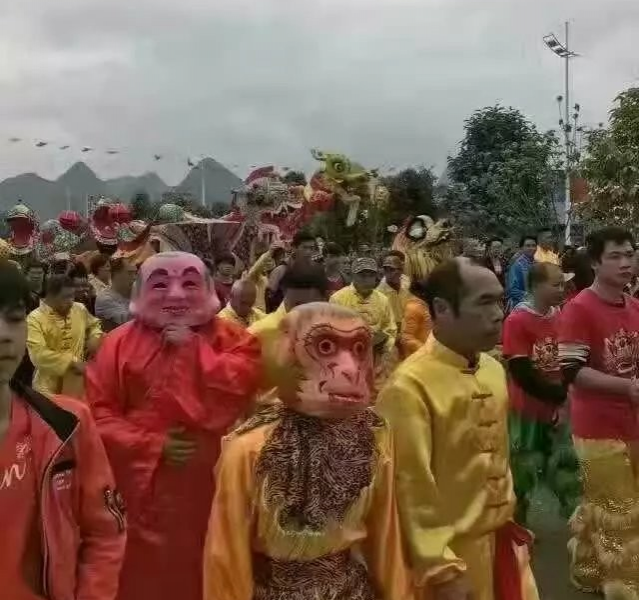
{"x": 363, "y": 297}
{"x": 518, "y": 272}
{"x": 416, "y": 323}
{"x": 62, "y": 334}
{"x": 303, "y": 249}
{"x": 224, "y": 277}
{"x": 62, "y": 520}
{"x": 494, "y": 259}
{"x": 100, "y": 273}
{"x": 447, "y": 406}
{"x": 395, "y": 285}
{"x": 112, "y": 303}
{"x": 598, "y": 350}
{"x": 303, "y": 282}
{"x": 164, "y": 388}
{"x": 535, "y": 386}
{"x": 333, "y": 267}
{"x": 241, "y": 307}
{"x": 545, "y": 247}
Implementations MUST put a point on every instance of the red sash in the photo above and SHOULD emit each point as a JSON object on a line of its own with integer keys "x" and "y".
{"x": 507, "y": 574}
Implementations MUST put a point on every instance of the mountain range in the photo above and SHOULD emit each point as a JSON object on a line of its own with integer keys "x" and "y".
{"x": 71, "y": 190}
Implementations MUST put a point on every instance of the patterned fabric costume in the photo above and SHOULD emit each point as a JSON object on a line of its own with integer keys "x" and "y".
{"x": 454, "y": 487}
{"x": 305, "y": 505}
{"x": 605, "y": 544}
{"x": 146, "y": 383}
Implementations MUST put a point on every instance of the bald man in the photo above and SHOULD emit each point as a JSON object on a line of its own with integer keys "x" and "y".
{"x": 241, "y": 307}
{"x": 447, "y": 405}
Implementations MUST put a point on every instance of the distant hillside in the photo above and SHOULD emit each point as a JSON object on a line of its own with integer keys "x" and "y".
{"x": 49, "y": 198}
{"x": 219, "y": 182}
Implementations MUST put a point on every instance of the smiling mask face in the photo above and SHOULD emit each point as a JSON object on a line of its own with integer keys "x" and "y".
{"x": 174, "y": 288}
{"x": 329, "y": 351}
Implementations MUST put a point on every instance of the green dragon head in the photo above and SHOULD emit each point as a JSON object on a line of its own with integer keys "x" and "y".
{"x": 339, "y": 168}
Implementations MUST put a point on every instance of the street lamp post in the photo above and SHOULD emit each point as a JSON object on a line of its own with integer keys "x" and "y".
{"x": 563, "y": 51}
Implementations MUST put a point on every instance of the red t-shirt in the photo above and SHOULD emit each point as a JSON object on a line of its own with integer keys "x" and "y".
{"x": 605, "y": 337}
{"x": 527, "y": 333}
{"x": 20, "y": 551}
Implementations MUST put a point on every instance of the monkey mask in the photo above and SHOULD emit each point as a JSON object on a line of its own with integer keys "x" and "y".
{"x": 327, "y": 352}
{"x": 174, "y": 288}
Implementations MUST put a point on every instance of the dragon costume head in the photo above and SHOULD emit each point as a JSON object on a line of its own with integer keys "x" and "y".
{"x": 106, "y": 219}
{"x": 346, "y": 180}
{"x": 23, "y": 225}
{"x": 426, "y": 243}
{"x": 328, "y": 352}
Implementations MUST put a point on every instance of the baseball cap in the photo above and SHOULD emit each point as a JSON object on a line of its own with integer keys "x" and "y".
{"x": 364, "y": 263}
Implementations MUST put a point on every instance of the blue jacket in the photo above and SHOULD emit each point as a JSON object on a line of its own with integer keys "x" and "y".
{"x": 516, "y": 280}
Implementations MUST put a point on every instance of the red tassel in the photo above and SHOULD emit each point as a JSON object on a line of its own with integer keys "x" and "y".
{"x": 507, "y": 576}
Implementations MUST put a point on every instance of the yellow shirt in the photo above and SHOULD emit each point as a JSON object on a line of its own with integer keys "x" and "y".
{"x": 547, "y": 256}
{"x": 454, "y": 486}
{"x": 230, "y": 315}
{"x": 396, "y": 298}
{"x": 257, "y": 276}
{"x": 375, "y": 310}
{"x": 55, "y": 342}
{"x": 267, "y": 331}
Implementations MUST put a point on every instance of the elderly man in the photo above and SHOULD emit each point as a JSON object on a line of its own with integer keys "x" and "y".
{"x": 447, "y": 405}
{"x": 241, "y": 309}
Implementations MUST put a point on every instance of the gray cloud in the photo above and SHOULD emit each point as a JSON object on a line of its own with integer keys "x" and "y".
{"x": 386, "y": 81}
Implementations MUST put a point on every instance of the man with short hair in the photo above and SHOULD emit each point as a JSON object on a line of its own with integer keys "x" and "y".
{"x": 545, "y": 247}
{"x": 333, "y": 267}
{"x": 241, "y": 307}
{"x": 395, "y": 285}
{"x": 112, "y": 303}
{"x": 62, "y": 521}
{"x": 518, "y": 271}
{"x": 447, "y": 405}
{"x": 303, "y": 282}
{"x": 303, "y": 248}
{"x": 598, "y": 350}
{"x": 61, "y": 335}
{"x": 224, "y": 277}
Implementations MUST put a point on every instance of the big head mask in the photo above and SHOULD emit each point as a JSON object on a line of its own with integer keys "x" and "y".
{"x": 174, "y": 288}
{"x": 327, "y": 352}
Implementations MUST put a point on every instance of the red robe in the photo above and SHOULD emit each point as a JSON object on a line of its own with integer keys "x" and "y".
{"x": 139, "y": 387}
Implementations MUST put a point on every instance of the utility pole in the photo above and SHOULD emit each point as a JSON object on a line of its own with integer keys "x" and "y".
{"x": 567, "y": 121}
{"x": 563, "y": 51}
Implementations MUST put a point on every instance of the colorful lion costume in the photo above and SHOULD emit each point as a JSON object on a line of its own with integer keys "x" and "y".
{"x": 426, "y": 243}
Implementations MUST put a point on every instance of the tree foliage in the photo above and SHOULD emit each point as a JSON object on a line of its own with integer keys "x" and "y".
{"x": 611, "y": 166}
{"x": 295, "y": 178}
{"x": 142, "y": 208}
{"x": 505, "y": 176}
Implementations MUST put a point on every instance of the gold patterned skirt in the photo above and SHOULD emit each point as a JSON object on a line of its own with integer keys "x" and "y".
{"x": 335, "y": 577}
{"x": 604, "y": 548}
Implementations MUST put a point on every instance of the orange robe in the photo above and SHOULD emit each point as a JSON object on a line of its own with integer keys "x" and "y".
{"x": 416, "y": 326}
{"x": 139, "y": 388}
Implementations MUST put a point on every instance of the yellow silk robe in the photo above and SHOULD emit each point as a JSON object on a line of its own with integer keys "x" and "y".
{"x": 267, "y": 331}
{"x": 241, "y": 525}
{"x": 55, "y": 342}
{"x": 230, "y": 315}
{"x": 454, "y": 486}
{"x": 375, "y": 310}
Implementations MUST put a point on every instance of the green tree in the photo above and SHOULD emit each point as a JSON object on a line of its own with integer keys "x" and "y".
{"x": 141, "y": 206}
{"x": 505, "y": 176}
{"x": 611, "y": 167}
{"x": 411, "y": 193}
{"x": 219, "y": 209}
{"x": 295, "y": 177}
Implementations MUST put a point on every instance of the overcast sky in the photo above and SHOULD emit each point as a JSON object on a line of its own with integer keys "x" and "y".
{"x": 255, "y": 82}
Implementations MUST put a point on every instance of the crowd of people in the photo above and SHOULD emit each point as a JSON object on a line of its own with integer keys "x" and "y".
{"x": 318, "y": 425}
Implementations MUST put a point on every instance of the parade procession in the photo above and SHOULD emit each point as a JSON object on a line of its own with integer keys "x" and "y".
{"x": 356, "y": 377}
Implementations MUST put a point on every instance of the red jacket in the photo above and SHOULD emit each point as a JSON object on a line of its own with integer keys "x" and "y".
{"x": 82, "y": 518}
